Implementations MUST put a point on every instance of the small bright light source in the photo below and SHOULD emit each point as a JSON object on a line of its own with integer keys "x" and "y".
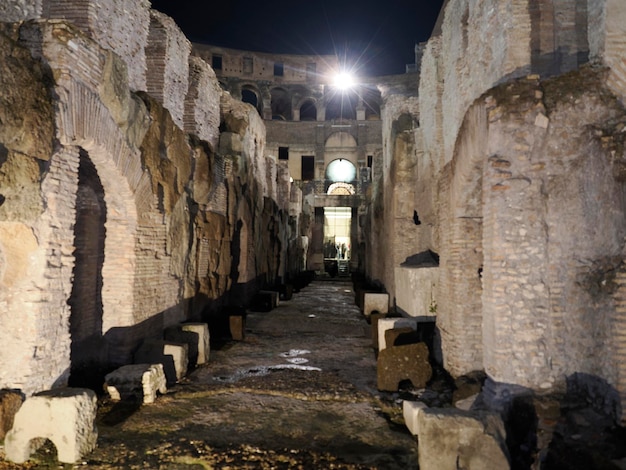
{"x": 344, "y": 80}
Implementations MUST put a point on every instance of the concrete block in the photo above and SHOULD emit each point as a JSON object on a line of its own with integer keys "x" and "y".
{"x": 144, "y": 380}
{"x": 375, "y": 302}
{"x": 197, "y": 337}
{"x": 65, "y": 416}
{"x": 410, "y": 412}
{"x": 173, "y": 356}
{"x": 385, "y": 324}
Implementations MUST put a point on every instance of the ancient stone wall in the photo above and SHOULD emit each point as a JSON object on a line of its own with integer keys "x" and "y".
{"x": 160, "y": 241}
{"x": 503, "y": 178}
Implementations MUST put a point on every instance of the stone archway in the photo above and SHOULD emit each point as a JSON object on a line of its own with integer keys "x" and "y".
{"x": 88, "y": 351}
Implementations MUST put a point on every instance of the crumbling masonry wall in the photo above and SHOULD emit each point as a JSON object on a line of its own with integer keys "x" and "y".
{"x": 170, "y": 200}
{"x": 520, "y": 176}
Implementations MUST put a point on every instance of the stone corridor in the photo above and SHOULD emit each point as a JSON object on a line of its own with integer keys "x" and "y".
{"x": 298, "y": 392}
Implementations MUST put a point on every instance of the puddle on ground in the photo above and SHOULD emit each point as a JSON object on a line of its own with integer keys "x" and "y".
{"x": 261, "y": 371}
{"x": 298, "y": 360}
{"x": 295, "y": 352}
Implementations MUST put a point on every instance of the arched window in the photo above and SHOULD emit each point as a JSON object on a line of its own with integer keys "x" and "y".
{"x": 249, "y": 95}
{"x": 281, "y": 104}
{"x": 341, "y": 170}
{"x": 308, "y": 111}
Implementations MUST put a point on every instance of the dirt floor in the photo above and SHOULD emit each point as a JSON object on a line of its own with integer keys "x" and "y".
{"x": 298, "y": 392}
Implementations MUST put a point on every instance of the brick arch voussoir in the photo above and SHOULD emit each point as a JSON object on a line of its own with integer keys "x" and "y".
{"x": 84, "y": 121}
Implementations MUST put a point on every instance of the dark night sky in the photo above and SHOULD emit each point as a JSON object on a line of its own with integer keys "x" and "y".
{"x": 376, "y": 37}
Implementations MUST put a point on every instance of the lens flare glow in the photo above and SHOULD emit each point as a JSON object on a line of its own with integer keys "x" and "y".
{"x": 344, "y": 80}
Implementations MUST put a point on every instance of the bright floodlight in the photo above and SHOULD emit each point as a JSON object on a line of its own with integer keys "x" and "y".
{"x": 344, "y": 80}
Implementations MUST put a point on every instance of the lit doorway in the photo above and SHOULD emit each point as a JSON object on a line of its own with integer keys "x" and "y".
{"x": 337, "y": 246}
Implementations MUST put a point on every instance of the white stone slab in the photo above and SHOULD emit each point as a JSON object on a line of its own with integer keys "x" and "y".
{"x": 173, "y": 356}
{"x": 385, "y": 324}
{"x": 146, "y": 378}
{"x": 415, "y": 291}
{"x": 197, "y": 337}
{"x": 375, "y": 302}
{"x": 66, "y": 416}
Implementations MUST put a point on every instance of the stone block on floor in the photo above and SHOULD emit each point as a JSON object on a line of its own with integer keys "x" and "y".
{"x": 65, "y": 416}
{"x": 237, "y": 325}
{"x": 375, "y": 302}
{"x": 173, "y": 356}
{"x": 450, "y": 438}
{"x": 264, "y": 301}
{"x": 398, "y": 363}
{"x": 136, "y": 380}
{"x": 197, "y": 337}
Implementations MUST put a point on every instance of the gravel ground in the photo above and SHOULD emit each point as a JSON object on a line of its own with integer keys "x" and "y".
{"x": 298, "y": 392}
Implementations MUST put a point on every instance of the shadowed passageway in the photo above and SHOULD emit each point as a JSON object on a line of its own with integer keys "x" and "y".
{"x": 298, "y": 392}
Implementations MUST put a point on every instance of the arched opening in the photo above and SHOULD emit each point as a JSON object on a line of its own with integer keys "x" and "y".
{"x": 281, "y": 104}
{"x": 341, "y": 170}
{"x": 308, "y": 111}
{"x": 340, "y": 189}
{"x": 87, "y": 350}
{"x": 337, "y": 244}
{"x": 250, "y": 96}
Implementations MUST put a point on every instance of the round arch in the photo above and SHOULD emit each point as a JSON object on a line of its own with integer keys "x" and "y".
{"x": 341, "y": 170}
{"x": 340, "y": 145}
{"x": 251, "y": 95}
{"x": 281, "y": 104}
{"x": 308, "y": 109}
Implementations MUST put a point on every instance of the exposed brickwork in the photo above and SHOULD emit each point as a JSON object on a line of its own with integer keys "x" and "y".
{"x": 167, "y": 56}
{"x": 118, "y": 25}
{"x": 202, "y": 111}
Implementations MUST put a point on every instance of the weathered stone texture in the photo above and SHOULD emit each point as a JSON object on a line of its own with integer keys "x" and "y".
{"x": 20, "y": 10}
{"x": 406, "y": 362}
{"x": 65, "y": 416}
{"x": 458, "y": 439}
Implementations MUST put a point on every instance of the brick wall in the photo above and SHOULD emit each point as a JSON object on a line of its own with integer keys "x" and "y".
{"x": 202, "y": 110}
{"x": 117, "y": 25}
{"x": 167, "y": 62}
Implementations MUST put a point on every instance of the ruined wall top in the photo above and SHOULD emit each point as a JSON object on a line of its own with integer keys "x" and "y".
{"x": 285, "y": 68}
{"x": 476, "y": 45}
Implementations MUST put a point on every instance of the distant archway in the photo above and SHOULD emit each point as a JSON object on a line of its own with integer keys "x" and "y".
{"x": 281, "y": 104}
{"x": 341, "y": 170}
{"x": 251, "y": 96}
{"x": 308, "y": 111}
